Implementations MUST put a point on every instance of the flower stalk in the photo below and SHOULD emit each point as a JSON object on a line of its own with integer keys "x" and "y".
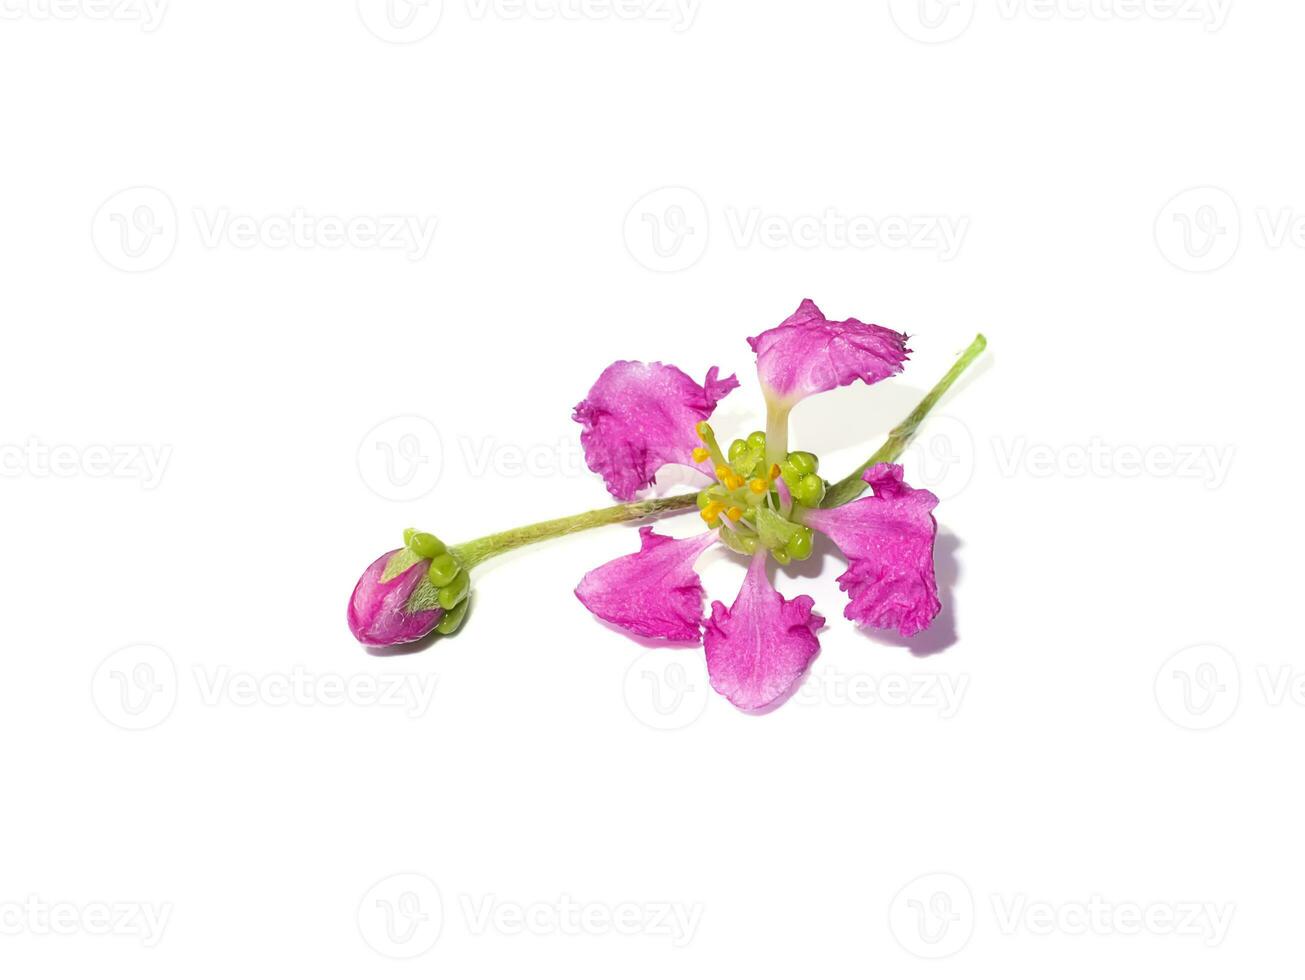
{"x": 852, "y": 486}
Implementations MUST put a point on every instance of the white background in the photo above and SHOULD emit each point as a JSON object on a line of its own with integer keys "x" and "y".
{"x": 1122, "y": 727}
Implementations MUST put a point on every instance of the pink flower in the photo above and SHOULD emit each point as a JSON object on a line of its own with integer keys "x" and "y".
{"x": 638, "y": 417}
{"x": 378, "y": 608}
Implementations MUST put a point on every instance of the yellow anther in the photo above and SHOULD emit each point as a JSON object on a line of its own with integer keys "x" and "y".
{"x": 723, "y": 473}
{"x": 734, "y": 482}
{"x": 734, "y": 513}
{"x": 712, "y": 511}
{"x": 701, "y": 455}
{"x": 758, "y": 486}
{"x": 702, "y": 429}
{"x": 774, "y": 470}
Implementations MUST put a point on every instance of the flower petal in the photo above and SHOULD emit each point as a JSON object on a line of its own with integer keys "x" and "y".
{"x": 889, "y": 541}
{"x": 757, "y": 650}
{"x": 638, "y": 417}
{"x": 377, "y": 610}
{"x": 807, "y": 354}
{"x": 654, "y": 592}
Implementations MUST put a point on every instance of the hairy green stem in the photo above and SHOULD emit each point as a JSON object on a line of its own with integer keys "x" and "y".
{"x": 472, "y": 553}
{"x": 852, "y": 486}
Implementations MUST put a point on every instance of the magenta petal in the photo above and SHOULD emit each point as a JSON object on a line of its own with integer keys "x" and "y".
{"x": 638, "y": 417}
{"x": 654, "y": 592}
{"x": 888, "y": 539}
{"x": 807, "y": 354}
{"x": 757, "y": 650}
{"x": 377, "y": 613}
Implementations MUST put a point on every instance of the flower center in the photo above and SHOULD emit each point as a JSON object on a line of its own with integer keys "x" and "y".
{"x": 752, "y": 502}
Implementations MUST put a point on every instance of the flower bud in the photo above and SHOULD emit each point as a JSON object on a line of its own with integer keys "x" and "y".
{"x": 379, "y": 612}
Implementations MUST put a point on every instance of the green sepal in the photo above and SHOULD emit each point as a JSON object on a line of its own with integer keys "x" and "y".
{"x": 744, "y": 544}
{"x": 424, "y": 598}
{"x": 453, "y": 618}
{"x": 400, "y": 562}
{"x": 774, "y": 530}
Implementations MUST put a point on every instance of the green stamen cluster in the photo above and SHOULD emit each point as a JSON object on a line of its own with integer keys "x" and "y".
{"x": 746, "y": 504}
{"x": 447, "y": 584}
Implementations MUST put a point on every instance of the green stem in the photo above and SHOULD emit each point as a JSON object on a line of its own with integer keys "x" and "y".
{"x": 852, "y": 486}
{"x": 472, "y": 553}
